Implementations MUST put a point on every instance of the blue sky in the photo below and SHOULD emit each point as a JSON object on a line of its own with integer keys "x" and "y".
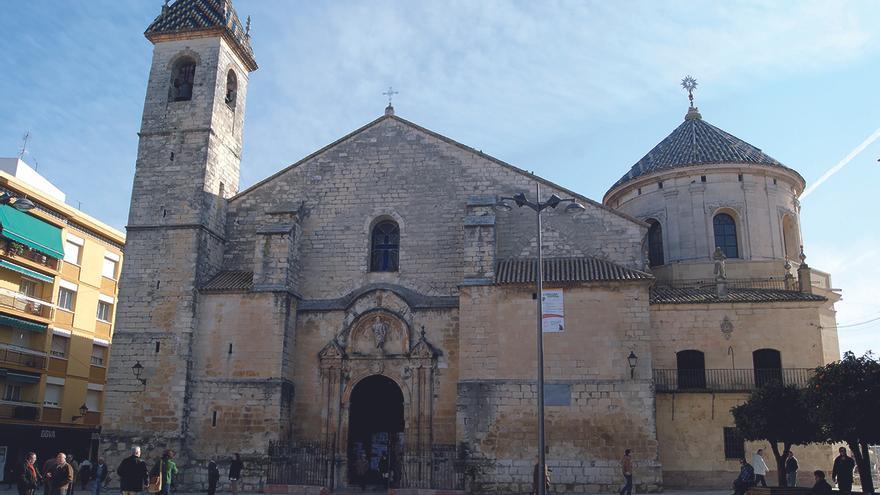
{"x": 576, "y": 91}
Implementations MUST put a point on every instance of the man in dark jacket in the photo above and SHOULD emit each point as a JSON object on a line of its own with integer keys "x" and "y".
{"x": 99, "y": 474}
{"x": 821, "y": 487}
{"x": 213, "y": 477}
{"x": 746, "y": 478}
{"x": 843, "y": 472}
{"x": 29, "y": 479}
{"x": 133, "y": 475}
{"x": 61, "y": 475}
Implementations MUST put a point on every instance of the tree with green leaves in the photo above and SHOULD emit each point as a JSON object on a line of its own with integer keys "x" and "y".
{"x": 844, "y": 398}
{"x": 777, "y": 413}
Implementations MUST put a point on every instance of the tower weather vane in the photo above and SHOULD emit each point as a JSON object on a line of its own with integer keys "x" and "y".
{"x": 690, "y": 84}
{"x": 390, "y": 93}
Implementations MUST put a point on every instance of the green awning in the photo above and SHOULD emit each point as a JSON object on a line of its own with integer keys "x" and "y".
{"x": 22, "y": 324}
{"x": 31, "y": 231}
{"x": 20, "y": 377}
{"x": 26, "y": 271}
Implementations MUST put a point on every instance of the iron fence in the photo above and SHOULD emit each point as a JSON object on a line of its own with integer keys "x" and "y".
{"x": 727, "y": 380}
{"x": 437, "y": 468}
{"x": 300, "y": 464}
{"x": 736, "y": 283}
{"x": 13, "y": 356}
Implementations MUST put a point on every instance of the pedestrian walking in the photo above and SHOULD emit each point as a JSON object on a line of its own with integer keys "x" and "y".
{"x": 536, "y": 478}
{"x": 29, "y": 479}
{"x": 71, "y": 459}
{"x": 213, "y": 477}
{"x": 84, "y": 473}
{"x": 133, "y": 475}
{"x": 235, "y": 473}
{"x": 166, "y": 469}
{"x": 60, "y": 476}
{"x": 99, "y": 474}
{"x": 361, "y": 466}
{"x": 760, "y": 468}
{"x": 746, "y": 478}
{"x": 842, "y": 473}
{"x": 821, "y": 487}
{"x": 48, "y": 466}
{"x": 791, "y": 469}
{"x": 626, "y": 466}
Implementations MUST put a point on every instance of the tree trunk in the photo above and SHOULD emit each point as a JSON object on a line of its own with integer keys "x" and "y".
{"x": 780, "y": 461}
{"x": 863, "y": 464}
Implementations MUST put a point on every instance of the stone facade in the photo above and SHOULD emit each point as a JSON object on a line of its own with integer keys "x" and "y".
{"x": 258, "y": 318}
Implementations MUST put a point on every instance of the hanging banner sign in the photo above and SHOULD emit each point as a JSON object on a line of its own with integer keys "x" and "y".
{"x": 554, "y": 315}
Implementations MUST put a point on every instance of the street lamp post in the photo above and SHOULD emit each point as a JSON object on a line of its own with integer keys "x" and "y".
{"x": 552, "y": 202}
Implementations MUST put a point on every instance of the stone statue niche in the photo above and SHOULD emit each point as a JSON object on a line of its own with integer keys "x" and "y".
{"x": 378, "y": 334}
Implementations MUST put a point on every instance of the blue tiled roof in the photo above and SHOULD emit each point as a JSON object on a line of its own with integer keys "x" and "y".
{"x": 198, "y": 15}
{"x": 696, "y": 142}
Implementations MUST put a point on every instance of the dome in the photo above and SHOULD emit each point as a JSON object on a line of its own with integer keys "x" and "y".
{"x": 696, "y": 142}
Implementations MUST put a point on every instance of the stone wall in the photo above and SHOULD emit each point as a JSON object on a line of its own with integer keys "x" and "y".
{"x": 393, "y": 169}
{"x": 595, "y": 409}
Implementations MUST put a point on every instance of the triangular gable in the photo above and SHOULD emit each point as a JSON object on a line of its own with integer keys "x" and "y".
{"x": 447, "y": 140}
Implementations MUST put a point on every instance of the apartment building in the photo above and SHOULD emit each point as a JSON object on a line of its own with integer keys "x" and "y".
{"x": 58, "y": 283}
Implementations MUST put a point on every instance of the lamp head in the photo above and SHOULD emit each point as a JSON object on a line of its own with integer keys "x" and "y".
{"x": 553, "y": 201}
{"x": 22, "y": 204}
{"x": 83, "y": 409}
{"x": 137, "y": 368}
{"x": 633, "y": 359}
{"x": 520, "y": 199}
{"x": 502, "y": 205}
{"x": 574, "y": 207}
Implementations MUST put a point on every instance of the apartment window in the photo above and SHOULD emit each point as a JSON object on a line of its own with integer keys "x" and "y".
{"x": 27, "y": 287}
{"x": 99, "y": 354}
{"x": 66, "y": 298}
{"x": 72, "y": 252}
{"x": 109, "y": 269}
{"x": 734, "y": 446}
{"x": 52, "y": 398}
{"x": 93, "y": 400}
{"x": 12, "y": 392}
{"x": 59, "y": 346}
{"x": 104, "y": 310}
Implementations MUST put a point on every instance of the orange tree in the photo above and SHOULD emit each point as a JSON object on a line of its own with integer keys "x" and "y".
{"x": 844, "y": 398}
{"x": 777, "y": 413}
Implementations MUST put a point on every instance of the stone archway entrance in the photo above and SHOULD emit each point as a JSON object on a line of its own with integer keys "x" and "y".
{"x": 375, "y": 430}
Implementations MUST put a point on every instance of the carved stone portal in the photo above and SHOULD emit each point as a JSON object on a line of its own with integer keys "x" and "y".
{"x": 378, "y": 334}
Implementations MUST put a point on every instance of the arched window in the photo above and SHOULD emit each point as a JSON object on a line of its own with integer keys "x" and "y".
{"x": 385, "y": 249}
{"x": 790, "y": 237}
{"x": 655, "y": 243}
{"x": 768, "y": 366}
{"x": 182, "y": 77}
{"x": 725, "y": 235}
{"x": 691, "y": 366}
{"x": 231, "y": 88}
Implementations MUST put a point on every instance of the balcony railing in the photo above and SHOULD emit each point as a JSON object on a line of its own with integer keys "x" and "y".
{"x": 16, "y": 250}
{"x": 26, "y": 304}
{"x": 727, "y": 380}
{"x": 735, "y": 283}
{"x": 10, "y": 355}
{"x": 12, "y": 409}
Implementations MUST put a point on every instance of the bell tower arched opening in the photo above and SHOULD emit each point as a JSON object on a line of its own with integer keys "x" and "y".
{"x": 375, "y": 430}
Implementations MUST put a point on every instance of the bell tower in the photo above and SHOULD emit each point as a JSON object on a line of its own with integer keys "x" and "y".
{"x": 187, "y": 166}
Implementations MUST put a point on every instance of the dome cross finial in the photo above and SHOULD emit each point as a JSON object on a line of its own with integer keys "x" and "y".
{"x": 690, "y": 84}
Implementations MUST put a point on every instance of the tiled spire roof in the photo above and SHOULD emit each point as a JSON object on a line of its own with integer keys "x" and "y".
{"x": 696, "y": 142}
{"x": 192, "y": 16}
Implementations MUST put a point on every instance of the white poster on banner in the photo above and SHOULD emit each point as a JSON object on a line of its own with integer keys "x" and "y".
{"x": 554, "y": 315}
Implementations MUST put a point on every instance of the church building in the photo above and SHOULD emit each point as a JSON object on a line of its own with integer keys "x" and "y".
{"x": 374, "y": 299}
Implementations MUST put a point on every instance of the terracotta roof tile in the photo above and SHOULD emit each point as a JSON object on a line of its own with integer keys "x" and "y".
{"x": 230, "y": 280}
{"x": 703, "y": 295}
{"x": 564, "y": 270}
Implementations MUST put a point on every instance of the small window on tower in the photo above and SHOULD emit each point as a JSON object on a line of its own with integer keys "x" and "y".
{"x": 182, "y": 77}
{"x": 231, "y": 88}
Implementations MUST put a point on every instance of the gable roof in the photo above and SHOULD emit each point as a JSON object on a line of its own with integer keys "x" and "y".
{"x": 565, "y": 270}
{"x": 391, "y": 116}
{"x": 697, "y": 142}
{"x": 209, "y": 16}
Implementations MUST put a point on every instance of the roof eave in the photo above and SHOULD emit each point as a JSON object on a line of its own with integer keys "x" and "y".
{"x": 218, "y": 31}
